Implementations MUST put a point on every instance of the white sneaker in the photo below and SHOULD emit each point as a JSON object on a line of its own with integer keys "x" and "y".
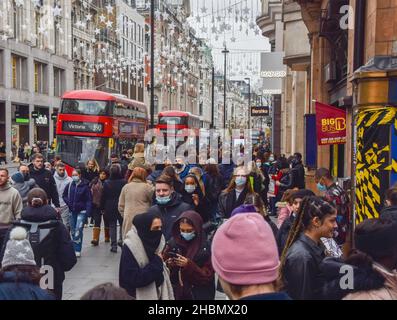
{"x": 78, "y": 254}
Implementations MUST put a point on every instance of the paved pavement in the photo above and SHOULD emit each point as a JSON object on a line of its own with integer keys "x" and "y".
{"x": 96, "y": 265}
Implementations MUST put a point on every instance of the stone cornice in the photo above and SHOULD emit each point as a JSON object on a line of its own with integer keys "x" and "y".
{"x": 299, "y": 62}
{"x": 311, "y": 13}
{"x": 267, "y": 22}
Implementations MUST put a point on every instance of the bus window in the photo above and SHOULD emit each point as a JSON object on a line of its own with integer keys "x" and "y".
{"x": 86, "y": 107}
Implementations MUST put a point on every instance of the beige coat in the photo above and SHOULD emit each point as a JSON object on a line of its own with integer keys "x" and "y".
{"x": 138, "y": 160}
{"x": 388, "y": 292}
{"x": 135, "y": 198}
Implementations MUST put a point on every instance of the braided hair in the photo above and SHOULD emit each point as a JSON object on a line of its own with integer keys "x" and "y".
{"x": 310, "y": 208}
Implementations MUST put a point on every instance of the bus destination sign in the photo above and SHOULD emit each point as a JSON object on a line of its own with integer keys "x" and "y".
{"x": 91, "y": 127}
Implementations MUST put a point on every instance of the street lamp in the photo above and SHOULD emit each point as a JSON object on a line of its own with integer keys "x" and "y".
{"x": 249, "y": 102}
{"x": 225, "y": 52}
{"x": 152, "y": 64}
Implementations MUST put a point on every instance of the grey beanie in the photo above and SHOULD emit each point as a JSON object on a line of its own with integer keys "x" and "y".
{"x": 18, "y": 250}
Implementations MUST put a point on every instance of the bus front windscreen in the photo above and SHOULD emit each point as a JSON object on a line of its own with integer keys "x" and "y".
{"x": 86, "y": 107}
{"x": 173, "y": 121}
{"x": 78, "y": 150}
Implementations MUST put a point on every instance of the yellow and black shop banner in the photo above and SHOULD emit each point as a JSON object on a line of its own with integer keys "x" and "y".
{"x": 376, "y": 152}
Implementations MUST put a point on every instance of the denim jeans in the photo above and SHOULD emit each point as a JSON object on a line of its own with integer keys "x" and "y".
{"x": 77, "y": 220}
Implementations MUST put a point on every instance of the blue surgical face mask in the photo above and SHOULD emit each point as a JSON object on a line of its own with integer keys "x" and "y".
{"x": 240, "y": 181}
{"x": 188, "y": 236}
{"x": 163, "y": 200}
{"x": 271, "y": 159}
{"x": 76, "y": 178}
{"x": 321, "y": 188}
{"x": 190, "y": 188}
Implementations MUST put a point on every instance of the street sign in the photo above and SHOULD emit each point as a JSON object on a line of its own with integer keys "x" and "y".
{"x": 262, "y": 111}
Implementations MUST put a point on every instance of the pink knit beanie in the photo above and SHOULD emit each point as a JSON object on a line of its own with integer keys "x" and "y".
{"x": 244, "y": 251}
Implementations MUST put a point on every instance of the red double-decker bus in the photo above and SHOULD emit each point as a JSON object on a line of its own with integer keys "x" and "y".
{"x": 174, "y": 122}
{"x": 95, "y": 124}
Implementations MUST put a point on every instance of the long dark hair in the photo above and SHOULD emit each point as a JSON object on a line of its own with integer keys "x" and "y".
{"x": 310, "y": 208}
{"x": 115, "y": 172}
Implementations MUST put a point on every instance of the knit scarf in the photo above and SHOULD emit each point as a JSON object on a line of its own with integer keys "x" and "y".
{"x": 150, "y": 292}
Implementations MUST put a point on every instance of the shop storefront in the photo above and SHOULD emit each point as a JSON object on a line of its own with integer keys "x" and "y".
{"x": 2, "y": 121}
{"x": 20, "y": 124}
{"x": 41, "y": 124}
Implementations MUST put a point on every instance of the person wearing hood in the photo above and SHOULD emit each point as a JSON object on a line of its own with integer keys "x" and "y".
{"x": 62, "y": 179}
{"x": 188, "y": 256}
{"x": 77, "y": 196}
{"x": 193, "y": 195}
{"x": 109, "y": 203}
{"x": 168, "y": 204}
{"x": 23, "y": 187}
{"x": 10, "y": 204}
{"x": 142, "y": 272}
{"x": 56, "y": 248}
{"x": 19, "y": 275}
{"x": 44, "y": 179}
{"x": 373, "y": 265}
{"x": 390, "y": 210}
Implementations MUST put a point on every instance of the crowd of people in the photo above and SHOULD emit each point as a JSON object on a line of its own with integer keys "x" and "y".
{"x": 185, "y": 230}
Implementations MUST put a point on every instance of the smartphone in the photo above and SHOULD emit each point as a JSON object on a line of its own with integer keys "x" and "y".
{"x": 172, "y": 255}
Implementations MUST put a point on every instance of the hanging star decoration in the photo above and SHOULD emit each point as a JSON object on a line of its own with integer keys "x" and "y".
{"x": 4, "y": 37}
{"x": 56, "y": 11}
{"x": 109, "y": 8}
{"x": 204, "y": 9}
{"x": 37, "y": 3}
{"x": 102, "y": 18}
{"x": 157, "y": 14}
{"x": 97, "y": 31}
{"x": 88, "y": 16}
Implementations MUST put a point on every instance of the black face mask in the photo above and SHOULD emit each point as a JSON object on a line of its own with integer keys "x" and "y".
{"x": 179, "y": 166}
{"x": 26, "y": 176}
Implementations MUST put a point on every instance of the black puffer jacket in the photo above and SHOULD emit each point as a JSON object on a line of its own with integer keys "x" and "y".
{"x": 301, "y": 273}
{"x": 45, "y": 180}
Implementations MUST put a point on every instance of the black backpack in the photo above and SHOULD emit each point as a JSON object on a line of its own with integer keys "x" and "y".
{"x": 42, "y": 238}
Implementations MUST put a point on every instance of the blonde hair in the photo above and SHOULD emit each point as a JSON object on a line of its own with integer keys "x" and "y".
{"x": 139, "y": 148}
{"x": 96, "y": 165}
